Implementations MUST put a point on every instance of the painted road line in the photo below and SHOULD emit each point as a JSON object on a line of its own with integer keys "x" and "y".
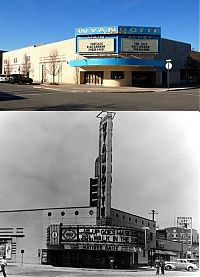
{"x": 39, "y": 87}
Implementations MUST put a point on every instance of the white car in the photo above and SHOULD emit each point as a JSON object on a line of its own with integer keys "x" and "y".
{"x": 181, "y": 264}
{"x": 4, "y": 78}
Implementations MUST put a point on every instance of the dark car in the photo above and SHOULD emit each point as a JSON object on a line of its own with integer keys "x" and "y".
{"x": 20, "y": 79}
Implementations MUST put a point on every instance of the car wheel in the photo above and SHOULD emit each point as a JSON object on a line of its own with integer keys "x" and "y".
{"x": 190, "y": 268}
{"x": 168, "y": 267}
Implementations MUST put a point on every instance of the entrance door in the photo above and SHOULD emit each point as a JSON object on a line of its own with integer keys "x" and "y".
{"x": 135, "y": 259}
{"x": 143, "y": 78}
{"x": 93, "y": 78}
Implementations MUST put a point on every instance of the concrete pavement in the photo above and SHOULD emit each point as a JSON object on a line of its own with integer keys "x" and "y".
{"x": 48, "y": 271}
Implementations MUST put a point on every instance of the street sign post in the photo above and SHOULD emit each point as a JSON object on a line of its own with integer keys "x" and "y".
{"x": 168, "y": 66}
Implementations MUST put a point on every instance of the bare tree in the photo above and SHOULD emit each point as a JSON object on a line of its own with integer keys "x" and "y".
{"x": 193, "y": 66}
{"x": 8, "y": 67}
{"x": 55, "y": 66}
{"x": 26, "y": 65}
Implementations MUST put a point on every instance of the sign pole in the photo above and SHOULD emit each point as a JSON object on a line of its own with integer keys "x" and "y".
{"x": 191, "y": 238}
{"x": 168, "y": 66}
{"x": 168, "y": 78}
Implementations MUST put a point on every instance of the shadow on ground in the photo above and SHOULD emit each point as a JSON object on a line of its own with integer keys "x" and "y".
{"x": 4, "y": 96}
{"x": 76, "y": 107}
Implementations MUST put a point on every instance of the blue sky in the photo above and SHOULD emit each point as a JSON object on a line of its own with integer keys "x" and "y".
{"x": 27, "y": 22}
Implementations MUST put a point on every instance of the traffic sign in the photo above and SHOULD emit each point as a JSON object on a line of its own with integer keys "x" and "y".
{"x": 168, "y": 65}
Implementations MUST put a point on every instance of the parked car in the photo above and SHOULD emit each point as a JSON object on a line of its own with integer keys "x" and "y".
{"x": 181, "y": 264}
{"x": 20, "y": 79}
{"x": 4, "y": 78}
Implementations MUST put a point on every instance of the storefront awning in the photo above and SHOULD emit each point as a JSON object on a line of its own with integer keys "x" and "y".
{"x": 117, "y": 62}
{"x": 160, "y": 252}
{"x": 165, "y": 252}
{"x": 170, "y": 253}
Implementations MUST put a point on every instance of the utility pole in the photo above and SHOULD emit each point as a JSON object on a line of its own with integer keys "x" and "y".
{"x": 153, "y": 212}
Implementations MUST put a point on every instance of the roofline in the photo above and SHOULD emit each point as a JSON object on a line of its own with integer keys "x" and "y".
{"x": 37, "y": 45}
{"x": 177, "y": 41}
{"x": 44, "y": 209}
{"x": 133, "y": 214}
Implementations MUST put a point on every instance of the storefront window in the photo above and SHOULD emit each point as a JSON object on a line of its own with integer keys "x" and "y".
{"x": 117, "y": 75}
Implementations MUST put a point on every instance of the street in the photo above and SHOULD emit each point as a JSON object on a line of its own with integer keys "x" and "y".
{"x": 31, "y": 271}
{"x": 41, "y": 98}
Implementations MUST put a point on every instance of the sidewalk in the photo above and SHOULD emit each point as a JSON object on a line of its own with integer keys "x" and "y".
{"x": 50, "y": 267}
{"x": 93, "y": 88}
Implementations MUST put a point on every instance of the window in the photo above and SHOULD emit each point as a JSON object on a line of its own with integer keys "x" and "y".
{"x": 129, "y": 218}
{"x": 15, "y": 60}
{"x": 116, "y": 215}
{"x": 123, "y": 217}
{"x": 136, "y": 220}
{"x": 117, "y": 75}
{"x": 28, "y": 58}
{"x": 142, "y": 222}
{"x": 143, "y": 253}
{"x": 151, "y": 236}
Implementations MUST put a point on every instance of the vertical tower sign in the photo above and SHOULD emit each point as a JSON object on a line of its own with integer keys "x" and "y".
{"x": 105, "y": 167}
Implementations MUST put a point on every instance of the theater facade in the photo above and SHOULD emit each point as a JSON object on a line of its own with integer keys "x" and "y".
{"x": 70, "y": 236}
{"x": 107, "y": 55}
{"x": 96, "y": 235}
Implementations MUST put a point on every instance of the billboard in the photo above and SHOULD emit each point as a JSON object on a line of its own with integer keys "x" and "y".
{"x": 97, "y": 45}
{"x": 130, "y": 45}
{"x": 184, "y": 221}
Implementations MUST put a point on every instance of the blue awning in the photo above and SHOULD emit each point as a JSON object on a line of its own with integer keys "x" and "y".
{"x": 116, "y": 62}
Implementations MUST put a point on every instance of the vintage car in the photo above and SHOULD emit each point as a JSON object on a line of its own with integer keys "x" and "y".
{"x": 181, "y": 264}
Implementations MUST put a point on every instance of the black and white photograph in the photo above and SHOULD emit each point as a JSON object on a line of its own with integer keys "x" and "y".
{"x": 111, "y": 192}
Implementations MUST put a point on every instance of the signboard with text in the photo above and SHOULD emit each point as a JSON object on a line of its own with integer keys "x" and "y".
{"x": 103, "y": 235}
{"x": 102, "y": 247}
{"x": 103, "y": 30}
{"x": 130, "y": 45}
{"x": 184, "y": 221}
{"x": 96, "y": 45}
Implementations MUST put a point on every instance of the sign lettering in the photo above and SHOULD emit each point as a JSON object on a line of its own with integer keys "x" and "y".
{"x": 96, "y": 45}
{"x": 101, "y": 247}
{"x": 103, "y": 235}
{"x": 118, "y": 30}
{"x": 139, "y": 45}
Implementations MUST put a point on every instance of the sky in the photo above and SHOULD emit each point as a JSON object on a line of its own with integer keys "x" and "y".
{"x": 46, "y": 161}
{"x": 28, "y": 22}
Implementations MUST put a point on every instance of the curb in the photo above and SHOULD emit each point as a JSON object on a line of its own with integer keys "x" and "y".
{"x": 108, "y": 89}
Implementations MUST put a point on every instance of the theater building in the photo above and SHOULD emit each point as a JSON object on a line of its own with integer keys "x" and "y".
{"x": 96, "y": 235}
{"x": 108, "y": 56}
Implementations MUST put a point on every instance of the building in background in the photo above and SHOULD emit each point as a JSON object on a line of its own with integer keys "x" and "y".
{"x": 178, "y": 241}
{"x": 1, "y": 60}
{"x": 108, "y": 56}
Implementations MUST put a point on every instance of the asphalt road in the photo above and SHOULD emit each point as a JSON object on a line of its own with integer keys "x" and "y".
{"x": 75, "y": 272}
{"x": 37, "y": 98}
